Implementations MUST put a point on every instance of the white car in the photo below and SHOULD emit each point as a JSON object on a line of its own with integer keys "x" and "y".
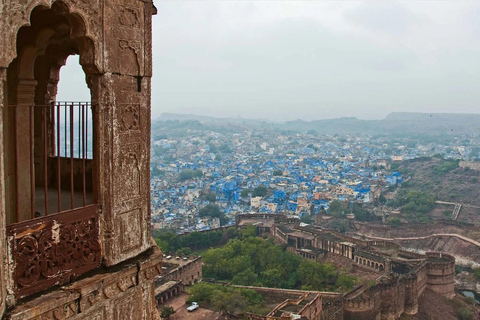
{"x": 193, "y": 307}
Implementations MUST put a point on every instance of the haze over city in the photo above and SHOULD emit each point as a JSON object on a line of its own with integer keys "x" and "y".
{"x": 311, "y": 60}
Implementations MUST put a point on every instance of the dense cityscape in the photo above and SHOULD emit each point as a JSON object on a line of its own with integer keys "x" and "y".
{"x": 273, "y": 171}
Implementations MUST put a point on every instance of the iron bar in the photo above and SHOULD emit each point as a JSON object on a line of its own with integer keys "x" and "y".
{"x": 32, "y": 171}
{"x": 15, "y": 139}
{"x": 45, "y": 159}
{"x": 72, "y": 141}
{"x": 79, "y": 131}
{"x": 65, "y": 126}
{"x": 59, "y": 177}
{"x": 52, "y": 129}
{"x": 86, "y": 132}
{"x": 84, "y": 110}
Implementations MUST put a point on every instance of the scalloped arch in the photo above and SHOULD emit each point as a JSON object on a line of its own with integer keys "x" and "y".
{"x": 80, "y": 31}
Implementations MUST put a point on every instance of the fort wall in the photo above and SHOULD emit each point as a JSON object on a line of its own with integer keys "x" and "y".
{"x": 407, "y": 274}
{"x": 187, "y": 273}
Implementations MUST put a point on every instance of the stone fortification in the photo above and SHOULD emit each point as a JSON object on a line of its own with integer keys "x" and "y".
{"x": 405, "y": 274}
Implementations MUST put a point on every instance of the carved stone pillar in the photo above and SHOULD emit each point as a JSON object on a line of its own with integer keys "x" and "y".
{"x": 3, "y": 84}
{"x": 123, "y": 95}
{"x": 24, "y": 149}
{"x": 121, "y": 127}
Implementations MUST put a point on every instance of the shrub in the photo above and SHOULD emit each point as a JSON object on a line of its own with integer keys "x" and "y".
{"x": 464, "y": 314}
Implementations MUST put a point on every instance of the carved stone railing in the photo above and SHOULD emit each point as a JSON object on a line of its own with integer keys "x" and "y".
{"x": 53, "y": 250}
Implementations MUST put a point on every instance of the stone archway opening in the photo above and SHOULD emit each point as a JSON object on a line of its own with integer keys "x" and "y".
{"x": 49, "y": 153}
{"x": 49, "y": 165}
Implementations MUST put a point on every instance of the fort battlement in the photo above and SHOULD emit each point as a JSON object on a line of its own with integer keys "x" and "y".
{"x": 410, "y": 254}
{"x": 359, "y": 304}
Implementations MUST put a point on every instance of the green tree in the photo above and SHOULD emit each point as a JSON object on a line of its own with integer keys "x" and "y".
{"x": 210, "y": 210}
{"x": 271, "y": 277}
{"x": 246, "y": 278}
{"x": 249, "y": 231}
{"x": 394, "y": 222}
{"x": 155, "y": 172}
{"x": 340, "y": 225}
{"x": 184, "y": 251}
{"x": 362, "y": 214}
{"x": 345, "y": 282}
{"x": 464, "y": 314}
{"x": 476, "y": 272}
{"x": 211, "y": 197}
{"x": 306, "y": 218}
{"x": 229, "y": 302}
{"x": 314, "y": 275}
{"x": 166, "y": 312}
{"x": 162, "y": 244}
{"x": 445, "y": 166}
{"x": 167, "y": 240}
{"x": 260, "y": 191}
{"x": 245, "y": 192}
{"x": 225, "y": 148}
{"x": 336, "y": 208}
{"x": 190, "y": 174}
{"x": 255, "y": 261}
{"x": 382, "y": 199}
{"x": 202, "y": 293}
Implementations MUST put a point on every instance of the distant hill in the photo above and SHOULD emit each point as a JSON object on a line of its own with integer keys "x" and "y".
{"x": 186, "y": 117}
{"x": 397, "y": 123}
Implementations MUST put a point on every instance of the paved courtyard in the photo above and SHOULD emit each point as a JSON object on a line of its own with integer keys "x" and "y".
{"x": 180, "y": 306}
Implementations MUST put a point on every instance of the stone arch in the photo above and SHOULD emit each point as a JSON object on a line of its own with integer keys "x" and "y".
{"x": 368, "y": 263}
{"x": 376, "y": 265}
{"x": 64, "y": 34}
{"x": 381, "y": 268}
{"x": 83, "y": 29}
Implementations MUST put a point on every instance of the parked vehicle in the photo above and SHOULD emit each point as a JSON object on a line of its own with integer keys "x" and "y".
{"x": 193, "y": 307}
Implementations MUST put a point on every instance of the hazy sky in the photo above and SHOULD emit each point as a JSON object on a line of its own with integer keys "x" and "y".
{"x": 312, "y": 59}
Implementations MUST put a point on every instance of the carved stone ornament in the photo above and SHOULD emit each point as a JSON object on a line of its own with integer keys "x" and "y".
{"x": 50, "y": 250}
{"x": 129, "y": 17}
{"x": 130, "y": 118}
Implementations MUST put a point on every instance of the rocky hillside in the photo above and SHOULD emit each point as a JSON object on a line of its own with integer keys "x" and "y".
{"x": 443, "y": 179}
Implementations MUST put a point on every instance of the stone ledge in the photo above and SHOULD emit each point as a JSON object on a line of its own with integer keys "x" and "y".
{"x": 83, "y": 295}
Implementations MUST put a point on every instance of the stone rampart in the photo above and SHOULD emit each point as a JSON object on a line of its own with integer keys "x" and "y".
{"x": 332, "y": 309}
{"x": 188, "y": 272}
